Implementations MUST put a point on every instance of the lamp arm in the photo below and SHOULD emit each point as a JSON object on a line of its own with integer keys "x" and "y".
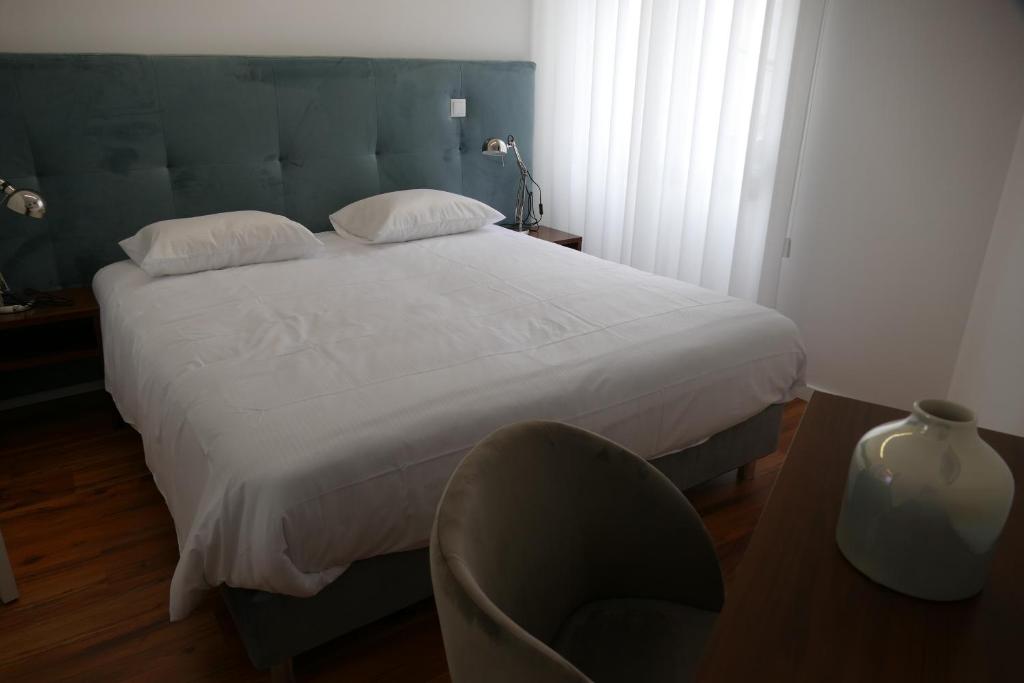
{"x": 519, "y": 157}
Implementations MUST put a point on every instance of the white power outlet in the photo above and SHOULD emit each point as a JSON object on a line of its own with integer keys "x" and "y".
{"x": 458, "y": 108}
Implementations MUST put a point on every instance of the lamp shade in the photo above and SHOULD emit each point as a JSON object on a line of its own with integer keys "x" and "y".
{"x": 495, "y": 147}
{"x": 25, "y": 202}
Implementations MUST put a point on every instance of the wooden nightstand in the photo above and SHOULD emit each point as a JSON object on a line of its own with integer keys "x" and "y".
{"x": 566, "y": 239}
{"x": 51, "y": 335}
{"x": 40, "y": 337}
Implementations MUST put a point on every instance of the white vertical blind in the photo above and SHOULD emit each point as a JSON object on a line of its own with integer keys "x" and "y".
{"x": 658, "y": 127}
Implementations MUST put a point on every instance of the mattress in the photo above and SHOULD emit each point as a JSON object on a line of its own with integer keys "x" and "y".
{"x": 302, "y": 415}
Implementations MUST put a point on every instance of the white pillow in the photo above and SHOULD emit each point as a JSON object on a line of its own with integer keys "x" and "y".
{"x": 220, "y": 240}
{"x": 412, "y": 215}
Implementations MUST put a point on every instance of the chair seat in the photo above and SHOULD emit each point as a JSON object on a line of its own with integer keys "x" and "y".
{"x": 635, "y": 640}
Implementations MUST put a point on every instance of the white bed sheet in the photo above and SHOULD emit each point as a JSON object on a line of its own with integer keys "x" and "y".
{"x": 302, "y": 415}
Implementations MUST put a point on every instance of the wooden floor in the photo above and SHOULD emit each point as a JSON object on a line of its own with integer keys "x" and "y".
{"x": 93, "y": 551}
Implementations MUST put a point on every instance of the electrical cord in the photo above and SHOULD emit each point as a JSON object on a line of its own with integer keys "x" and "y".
{"x": 33, "y": 298}
{"x": 524, "y": 199}
{"x": 29, "y": 298}
{"x": 526, "y": 195}
{"x": 46, "y": 299}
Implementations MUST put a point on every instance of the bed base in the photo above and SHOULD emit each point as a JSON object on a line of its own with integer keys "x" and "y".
{"x": 746, "y": 472}
{"x": 276, "y": 627}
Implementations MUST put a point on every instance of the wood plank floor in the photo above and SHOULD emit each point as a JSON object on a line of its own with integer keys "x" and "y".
{"x": 93, "y": 550}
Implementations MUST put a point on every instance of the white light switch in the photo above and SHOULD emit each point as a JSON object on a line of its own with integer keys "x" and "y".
{"x": 458, "y": 108}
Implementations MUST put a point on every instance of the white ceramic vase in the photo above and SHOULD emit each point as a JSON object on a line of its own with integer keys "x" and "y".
{"x": 926, "y": 499}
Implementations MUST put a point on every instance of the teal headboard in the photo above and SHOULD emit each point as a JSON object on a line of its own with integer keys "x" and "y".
{"x": 115, "y": 142}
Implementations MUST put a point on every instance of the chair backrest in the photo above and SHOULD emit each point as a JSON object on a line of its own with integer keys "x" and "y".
{"x": 542, "y": 518}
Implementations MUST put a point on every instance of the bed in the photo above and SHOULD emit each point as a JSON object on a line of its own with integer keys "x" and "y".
{"x": 303, "y": 415}
{"x": 301, "y": 418}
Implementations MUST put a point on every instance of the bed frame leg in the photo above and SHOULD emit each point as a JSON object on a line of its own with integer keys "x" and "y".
{"x": 746, "y": 472}
{"x": 282, "y": 672}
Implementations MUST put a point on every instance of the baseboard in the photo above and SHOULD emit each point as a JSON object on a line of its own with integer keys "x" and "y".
{"x": 804, "y": 393}
{"x": 52, "y": 394}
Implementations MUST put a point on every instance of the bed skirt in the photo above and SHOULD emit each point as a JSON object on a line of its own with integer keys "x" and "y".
{"x": 275, "y": 627}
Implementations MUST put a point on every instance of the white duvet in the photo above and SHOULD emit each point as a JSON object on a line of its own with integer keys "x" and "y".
{"x": 302, "y": 415}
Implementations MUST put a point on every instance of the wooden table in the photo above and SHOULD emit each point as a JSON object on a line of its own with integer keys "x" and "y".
{"x": 801, "y": 612}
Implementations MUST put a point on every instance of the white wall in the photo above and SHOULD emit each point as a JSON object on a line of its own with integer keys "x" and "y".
{"x": 459, "y": 29}
{"x": 989, "y": 374}
{"x": 912, "y": 121}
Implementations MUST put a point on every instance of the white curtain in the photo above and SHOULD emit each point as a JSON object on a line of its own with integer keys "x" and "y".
{"x": 657, "y": 130}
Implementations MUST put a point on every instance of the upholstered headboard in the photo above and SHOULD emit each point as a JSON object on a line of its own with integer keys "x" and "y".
{"x": 115, "y": 142}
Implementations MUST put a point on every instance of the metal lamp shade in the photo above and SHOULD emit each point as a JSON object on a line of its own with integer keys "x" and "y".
{"x": 495, "y": 147}
{"x": 27, "y": 203}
